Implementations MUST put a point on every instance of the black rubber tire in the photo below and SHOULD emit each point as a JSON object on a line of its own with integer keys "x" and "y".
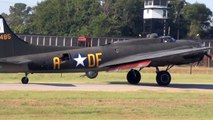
{"x": 163, "y": 78}
{"x": 92, "y": 74}
{"x": 25, "y": 80}
{"x": 133, "y": 77}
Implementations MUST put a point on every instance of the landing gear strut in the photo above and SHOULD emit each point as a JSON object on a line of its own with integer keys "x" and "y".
{"x": 25, "y": 79}
{"x": 133, "y": 77}
{"x": 163, "y": 78}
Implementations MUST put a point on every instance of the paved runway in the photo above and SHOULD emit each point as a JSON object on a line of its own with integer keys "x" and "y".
{"x": 106, "y": 87}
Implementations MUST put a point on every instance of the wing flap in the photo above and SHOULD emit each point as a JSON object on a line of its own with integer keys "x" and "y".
{"x": 131, "y": 65}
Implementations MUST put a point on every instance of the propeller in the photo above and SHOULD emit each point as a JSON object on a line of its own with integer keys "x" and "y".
{"x": 209, "y": 56}
{"x": 205, "y": 54}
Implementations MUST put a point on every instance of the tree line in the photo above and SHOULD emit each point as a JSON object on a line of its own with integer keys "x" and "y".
{"x": 115, "y": 18}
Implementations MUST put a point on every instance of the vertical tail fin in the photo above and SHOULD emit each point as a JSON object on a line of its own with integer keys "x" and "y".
{"x": 5, "y": 32}
{"x": 12, "y": 45}
{"x": 7, "y": 40}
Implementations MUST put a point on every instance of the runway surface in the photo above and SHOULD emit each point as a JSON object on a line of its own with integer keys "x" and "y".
{"x": 106, "y": 87}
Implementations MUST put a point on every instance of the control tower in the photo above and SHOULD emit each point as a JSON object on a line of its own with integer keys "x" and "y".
{"x": 155, "y": 17}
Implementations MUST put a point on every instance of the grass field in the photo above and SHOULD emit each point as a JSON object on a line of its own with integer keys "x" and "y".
{"x": 76, "y": 105}
{"x": 179, "y": 75}
{"x": 105, "y": 105}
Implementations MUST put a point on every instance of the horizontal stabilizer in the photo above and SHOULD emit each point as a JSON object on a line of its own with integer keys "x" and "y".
{"x": 14, "y": 60}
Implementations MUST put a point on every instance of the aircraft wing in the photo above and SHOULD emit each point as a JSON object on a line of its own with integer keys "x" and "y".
{"x": 146, "y": 58}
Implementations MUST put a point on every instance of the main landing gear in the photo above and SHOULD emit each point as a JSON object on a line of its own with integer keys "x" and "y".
{"x": 163, "y": 78}
{"x": 133, "y": 77}
{"x": 92, "y": 74}
{"x": 25, "y": 79}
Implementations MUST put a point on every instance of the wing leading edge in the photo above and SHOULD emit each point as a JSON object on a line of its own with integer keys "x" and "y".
{"x": 145, "y": 57}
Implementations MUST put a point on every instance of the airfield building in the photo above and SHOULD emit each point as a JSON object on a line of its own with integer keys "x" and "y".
{"x": 155, "y": 16}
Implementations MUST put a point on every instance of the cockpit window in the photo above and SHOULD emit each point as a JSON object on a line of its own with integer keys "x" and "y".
{"x": 167, "y": 39}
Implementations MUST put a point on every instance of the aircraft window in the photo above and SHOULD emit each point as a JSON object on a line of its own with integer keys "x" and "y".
{"x": 117, "y": 50}
{"x": 65, "y": 57}
{"x": 167, "y": 39}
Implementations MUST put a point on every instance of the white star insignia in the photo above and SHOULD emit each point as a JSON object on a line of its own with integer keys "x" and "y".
{"x": 80, "y": 60}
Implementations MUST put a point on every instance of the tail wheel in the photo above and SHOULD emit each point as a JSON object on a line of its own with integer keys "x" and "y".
{"x": 133, "y": 77}
{"x": 163, "y": 78}
{"x": 25, "y": 80}
{"x": 92, "y": 74}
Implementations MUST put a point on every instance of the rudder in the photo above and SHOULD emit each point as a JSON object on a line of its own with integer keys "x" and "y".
{"x": 7, "y": 39}
{"x": 11, "y": 45}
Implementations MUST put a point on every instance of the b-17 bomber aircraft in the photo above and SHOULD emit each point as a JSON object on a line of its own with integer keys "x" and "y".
{"x": 17, "y": 56}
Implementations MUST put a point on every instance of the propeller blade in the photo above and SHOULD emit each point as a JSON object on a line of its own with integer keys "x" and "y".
{"x": 209, "y": 56}
{"x": 198, "y": 63}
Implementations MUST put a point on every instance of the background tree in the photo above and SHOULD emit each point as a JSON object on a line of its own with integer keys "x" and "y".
{"x": 19, "y": 18}
{"x": 65, "y": 17}
{"x": 177, "y": 24}
{"x": 198, "y": 19}
{"x": 126, "y": 16}
{"x": 53, "y": 17}
{"x": 86, "y": 11}
{"x": 115, "y": 18}
{"x": 5, "y": 15}
{"x": 88, "y": 18}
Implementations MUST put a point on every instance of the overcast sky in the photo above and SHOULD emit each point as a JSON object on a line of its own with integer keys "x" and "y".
{"x": 5, "y": 4}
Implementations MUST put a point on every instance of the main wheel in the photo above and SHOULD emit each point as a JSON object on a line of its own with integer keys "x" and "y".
{"x": 25, "y": 80}
{"x": 92, "y": 74}
{"x": 133, "y": 77}
{"x": 163, "y": 78}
